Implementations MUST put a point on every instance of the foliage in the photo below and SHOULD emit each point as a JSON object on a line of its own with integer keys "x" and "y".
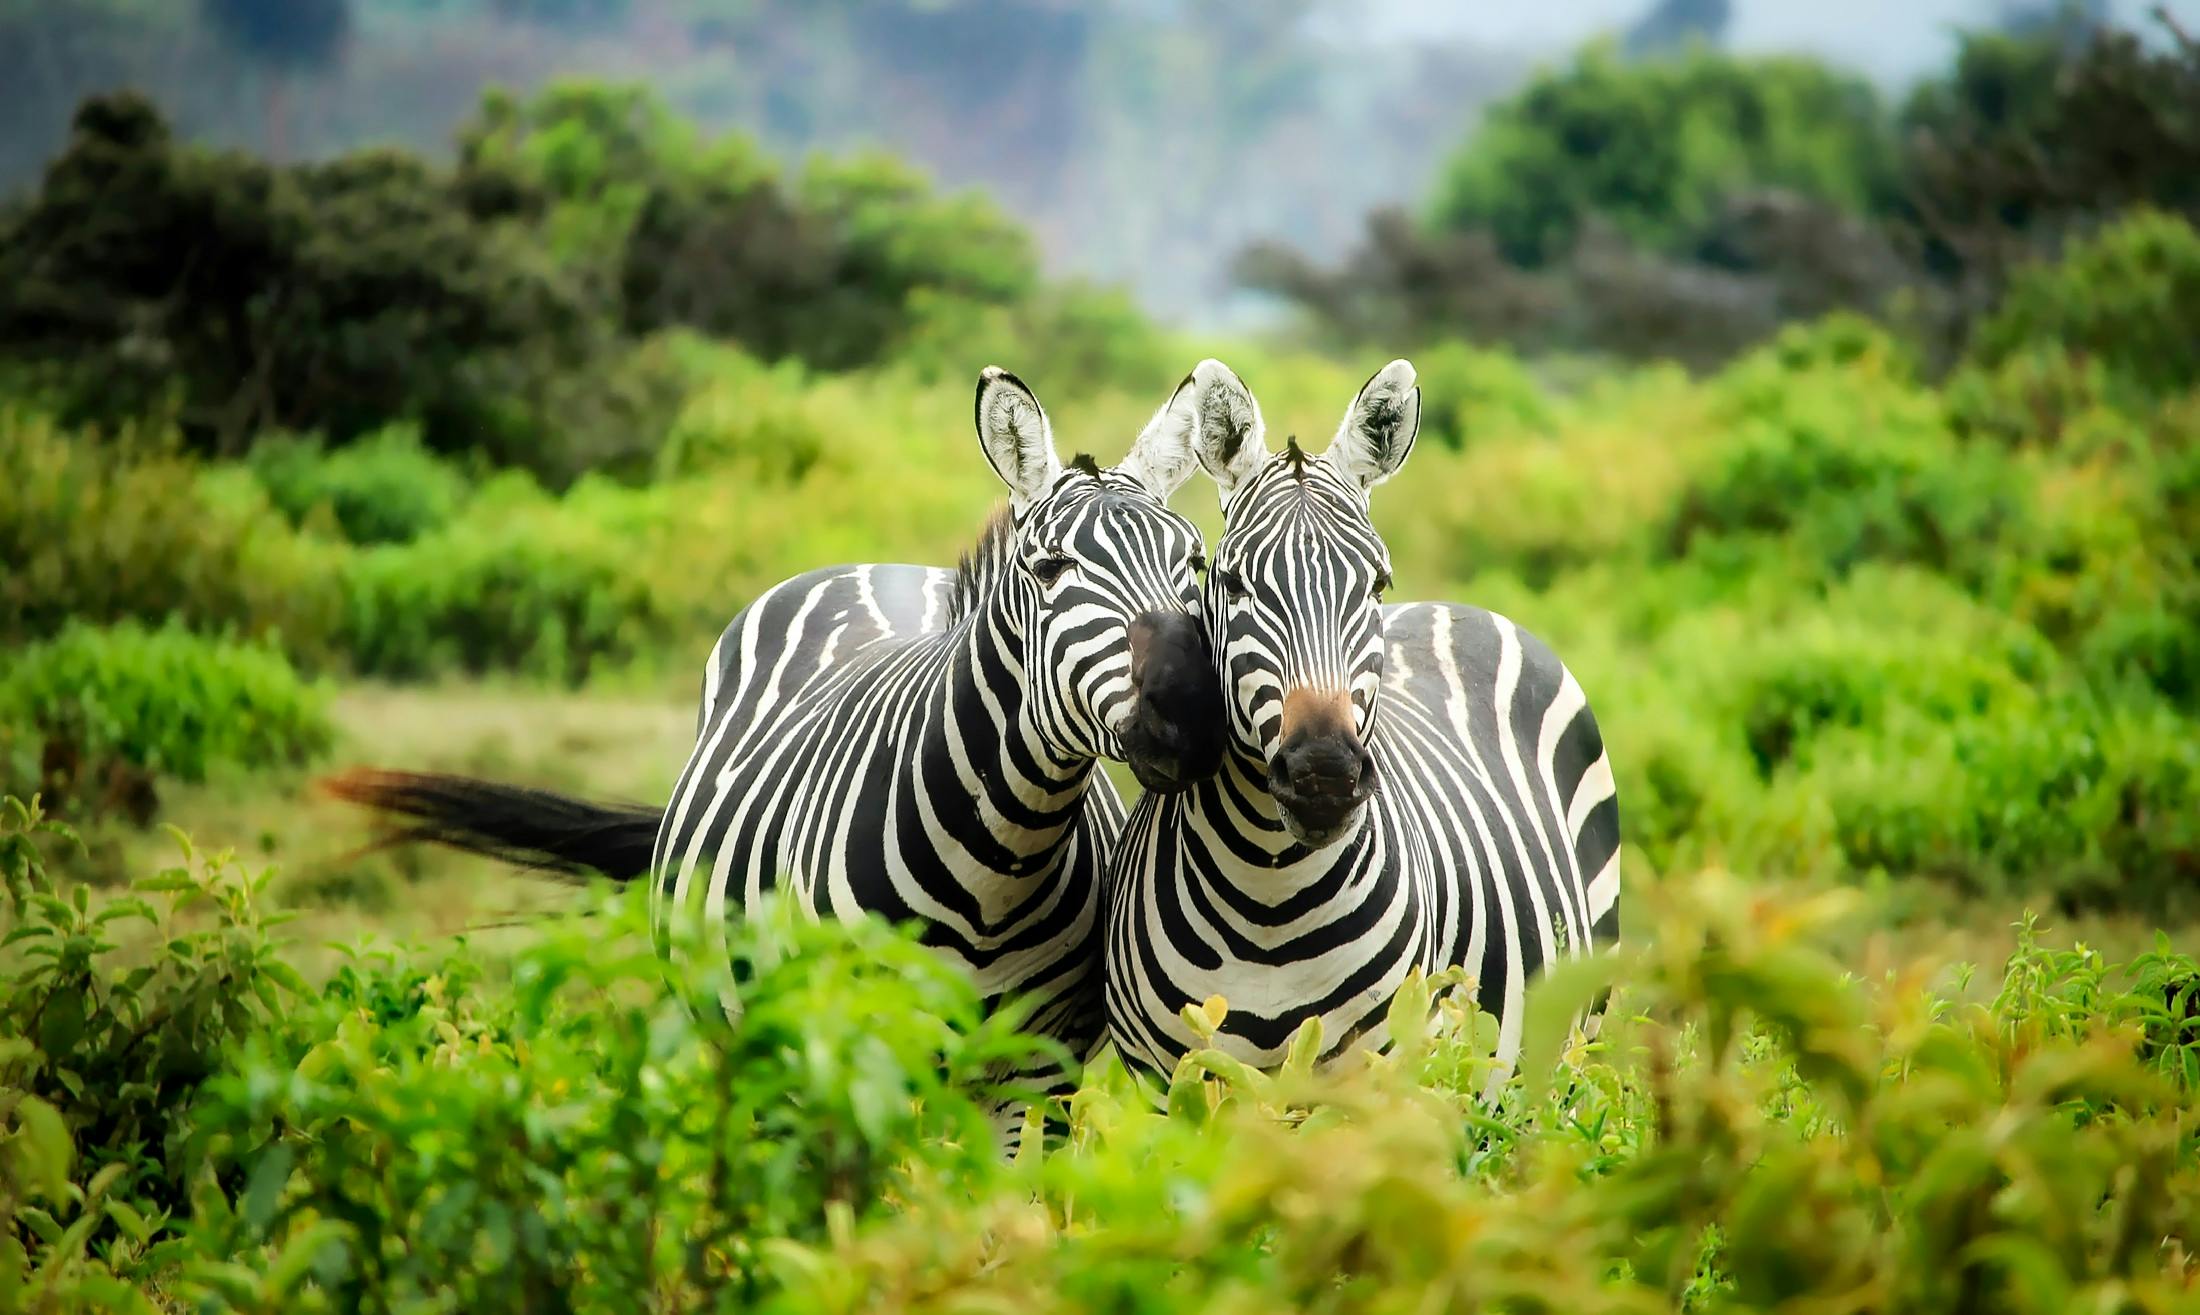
{"x": 167, "y": 703}
{"x": 545, "y": 588}
{"x": 580, "y": 1130}
{"x": 1653, "y": 147}
{"x": 1754, "y": 1125}
{"x": 311, "y": 297}
{"x": 1760, "y": 1131}
{"x": 2033, "y": 138}
{"x": 679, "y": 230}
{"x": 383, "y": 488}
{"x": 104, "y": 530}
{"x": 2126, "y": 301}
{"x": 105, "y": 1038}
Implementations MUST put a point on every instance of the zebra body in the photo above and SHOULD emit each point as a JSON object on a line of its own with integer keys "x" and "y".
{"x": 1492, "y": 842}
{"x": 863, "y": 754}
{"x": 920, "y": 744}
{"x": 1407, "y": 787}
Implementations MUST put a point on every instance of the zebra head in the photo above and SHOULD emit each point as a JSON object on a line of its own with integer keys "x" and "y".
{"x": 1294, "y": 601}
{"x": 1104, "y": 581}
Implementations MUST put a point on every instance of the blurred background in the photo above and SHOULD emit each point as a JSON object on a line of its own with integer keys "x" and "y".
{"x": 425, "y": 382}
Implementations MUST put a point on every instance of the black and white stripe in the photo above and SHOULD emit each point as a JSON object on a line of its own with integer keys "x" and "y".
{"x": 919, "y": 743}
{"x": 1410, "y": 786}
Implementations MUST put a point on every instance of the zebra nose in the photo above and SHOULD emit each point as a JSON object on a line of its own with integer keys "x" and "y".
{"x": 1319, "y": 777}
{"x": 1172, "y": 735}
{"x": 1324, "y": 765}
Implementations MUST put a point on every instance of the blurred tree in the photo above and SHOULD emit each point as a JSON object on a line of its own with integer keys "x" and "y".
{"x": 333, "y": 297}
{"x": 1652, "y": 147}
{"x": 2029, "y": 140}
{"x": 1672, "y": 24}
{"x": 281, "y": 36}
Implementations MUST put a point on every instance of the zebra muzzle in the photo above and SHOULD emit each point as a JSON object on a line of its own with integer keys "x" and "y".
{"x": 1173, "y": 735}
{"x": 1322, "y": 771}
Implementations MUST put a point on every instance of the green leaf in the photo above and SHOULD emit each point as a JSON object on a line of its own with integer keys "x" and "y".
{"x": 131, "y": 1222}
{"x": 264, "y": 1190}
{"x": 48, "y": 1149}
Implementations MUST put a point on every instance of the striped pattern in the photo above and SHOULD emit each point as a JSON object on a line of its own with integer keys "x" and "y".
{"x": 1491, "y": 839}
{"x": 920, "y": 743}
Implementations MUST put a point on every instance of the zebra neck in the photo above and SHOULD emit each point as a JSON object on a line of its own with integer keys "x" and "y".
{"x": 1009, "y": 800}
{"x": 1237, "y": 809}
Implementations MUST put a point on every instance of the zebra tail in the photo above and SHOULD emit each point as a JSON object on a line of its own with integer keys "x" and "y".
{"x": 539, "y": 829}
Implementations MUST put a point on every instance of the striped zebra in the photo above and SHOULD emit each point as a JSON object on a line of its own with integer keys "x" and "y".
{"x": 920, "y": 743}
{"x": 1416, "y": 785}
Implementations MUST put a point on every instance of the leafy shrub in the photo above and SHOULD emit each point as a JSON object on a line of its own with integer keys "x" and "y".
{"x": 553, "y": 590}
{"x": 166, "y": 701}
{"x": 1652, "y": 146}
{"x": 1846, "y": 472}
{"x": 2127, "y": 298}
{"x": 1466, "y": 393}
{"x": 323, "y": 296}
{"x": 125, "y": 529}
{"x": 2077, "y": 800}
{"x": 579, "y": 1131}
{"x": 1763, "y": 1130}
{"x": 1755, "y": 1125}
{"x": 383, "y": 488}
{"x": 104, "y": 1045}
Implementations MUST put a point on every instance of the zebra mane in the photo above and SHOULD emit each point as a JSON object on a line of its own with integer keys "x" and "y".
{"x": 1085, "y": 465}
{"x": 977, "y": 563}
{"x": 1296, "y": 455}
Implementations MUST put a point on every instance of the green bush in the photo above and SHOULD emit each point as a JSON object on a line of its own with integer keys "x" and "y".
{"x": 100, "y": 531}
{"x": 166, "y": 701}
{"x": 105, "y": 1042}
{"x": 2076, "y": 800}
{"x": 1839, "y": 469}
{"x": 574, "y": 1132}
{"x": 552, "y": 589}
{"x": 2127, "y": 298}
{"x": 1466, "y": 393}
{"x": 1654, "y": 146}
{"x": 383, "y": 488}
{"x": 1756, "y": 1126}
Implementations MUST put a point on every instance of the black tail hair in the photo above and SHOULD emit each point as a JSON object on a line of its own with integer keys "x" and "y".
{"x": 535, "y": 828}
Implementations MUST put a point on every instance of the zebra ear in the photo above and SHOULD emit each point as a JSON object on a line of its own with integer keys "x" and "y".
{"x": 1013, "y": 430}
{"x": 1379, "y": 427}
{"x": 1162, "y": 457}
{"x": 1226, "y": 430}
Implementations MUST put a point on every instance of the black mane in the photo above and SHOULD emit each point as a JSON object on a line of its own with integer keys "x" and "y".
{"x": 977, "y": 563}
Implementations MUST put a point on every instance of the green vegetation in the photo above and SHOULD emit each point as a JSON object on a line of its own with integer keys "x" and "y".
{"x": 165, "y": 703}
{"x": 1655, "y": 148}
{"x": 557, "y": 1126}
{"x": 1686, "y": 206}
{"x": 1897, "y": 618}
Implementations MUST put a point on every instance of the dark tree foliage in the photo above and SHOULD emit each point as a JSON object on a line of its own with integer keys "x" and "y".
{"x": 735, "y": 261}
{"x": 284, "y": 33}
{"x": 1686, "y": 207}
{"x": 332, "y": 297}
{"x": 2032, "y": 140}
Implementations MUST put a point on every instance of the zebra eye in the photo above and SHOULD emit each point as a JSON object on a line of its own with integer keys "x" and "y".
{"x": 1049, "y": 569}
{"x": 1382, "y": 585}
{"x": 1230, "y": 581}
{"x": 1198, "y": 562}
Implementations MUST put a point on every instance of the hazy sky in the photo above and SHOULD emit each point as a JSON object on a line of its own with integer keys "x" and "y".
{"x": 1891, "y": 40}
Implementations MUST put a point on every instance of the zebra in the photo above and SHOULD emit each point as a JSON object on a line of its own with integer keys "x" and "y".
{"x": 1413, "y": 785}
{"x": 921, "y": 743}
